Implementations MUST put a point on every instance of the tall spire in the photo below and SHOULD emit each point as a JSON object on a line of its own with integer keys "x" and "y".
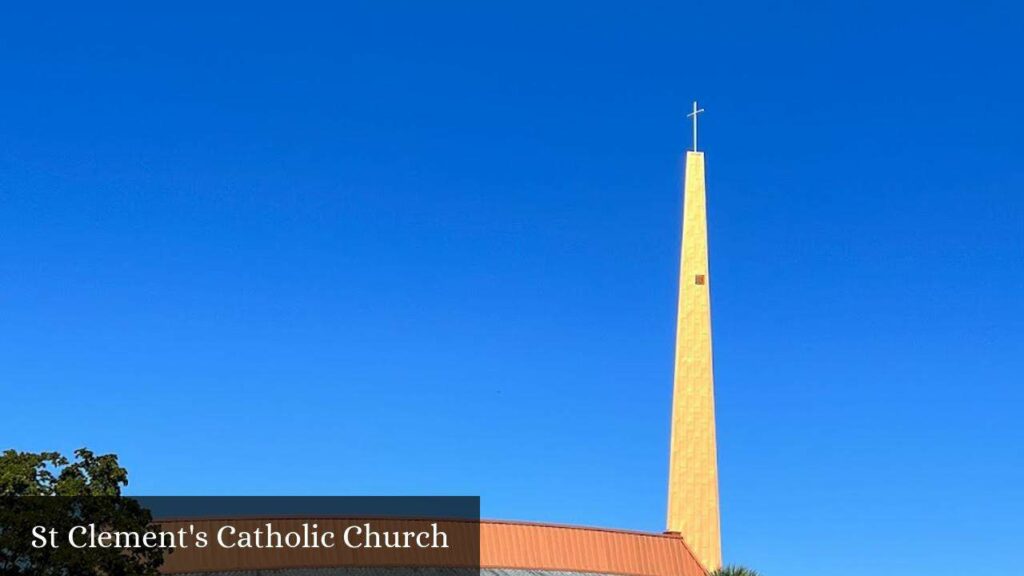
{"x": 693, "y": 466}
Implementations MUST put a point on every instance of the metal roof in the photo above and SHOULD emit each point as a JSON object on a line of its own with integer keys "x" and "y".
{"x": 506, "y": 549}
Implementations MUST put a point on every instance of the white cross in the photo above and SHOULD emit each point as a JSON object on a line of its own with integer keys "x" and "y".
{"x": 694, "y": 116}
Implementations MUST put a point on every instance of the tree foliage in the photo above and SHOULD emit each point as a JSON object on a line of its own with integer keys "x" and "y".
{"x": 733, "y": 570}
{"x": 47, "y": 489}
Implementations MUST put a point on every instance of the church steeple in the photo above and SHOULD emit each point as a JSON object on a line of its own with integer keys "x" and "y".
{"x": 693, "y": 467}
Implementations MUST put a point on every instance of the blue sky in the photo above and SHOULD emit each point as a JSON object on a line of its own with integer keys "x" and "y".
{"x": 411, "y": 249}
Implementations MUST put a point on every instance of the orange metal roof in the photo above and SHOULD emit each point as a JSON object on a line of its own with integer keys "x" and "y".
{"x": 582, "y": 549}
{"x": 503, "y": 544}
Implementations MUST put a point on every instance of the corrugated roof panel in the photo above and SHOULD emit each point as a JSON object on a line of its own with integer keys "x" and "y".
{"x": 503, "y": 545}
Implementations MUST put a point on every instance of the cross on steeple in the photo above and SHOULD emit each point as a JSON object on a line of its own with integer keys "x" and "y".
{"x": 694, "y": 116}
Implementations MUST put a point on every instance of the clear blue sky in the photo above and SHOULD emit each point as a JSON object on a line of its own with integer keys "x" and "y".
{"x": 407, "y": 249}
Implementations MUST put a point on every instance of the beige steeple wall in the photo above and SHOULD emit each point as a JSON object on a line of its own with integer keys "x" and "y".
{"x": 693, "y": 467}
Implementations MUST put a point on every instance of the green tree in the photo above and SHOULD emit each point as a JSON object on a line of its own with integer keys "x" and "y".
{"x": 47, "y": 489}
{"x": 733, "y": 570}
